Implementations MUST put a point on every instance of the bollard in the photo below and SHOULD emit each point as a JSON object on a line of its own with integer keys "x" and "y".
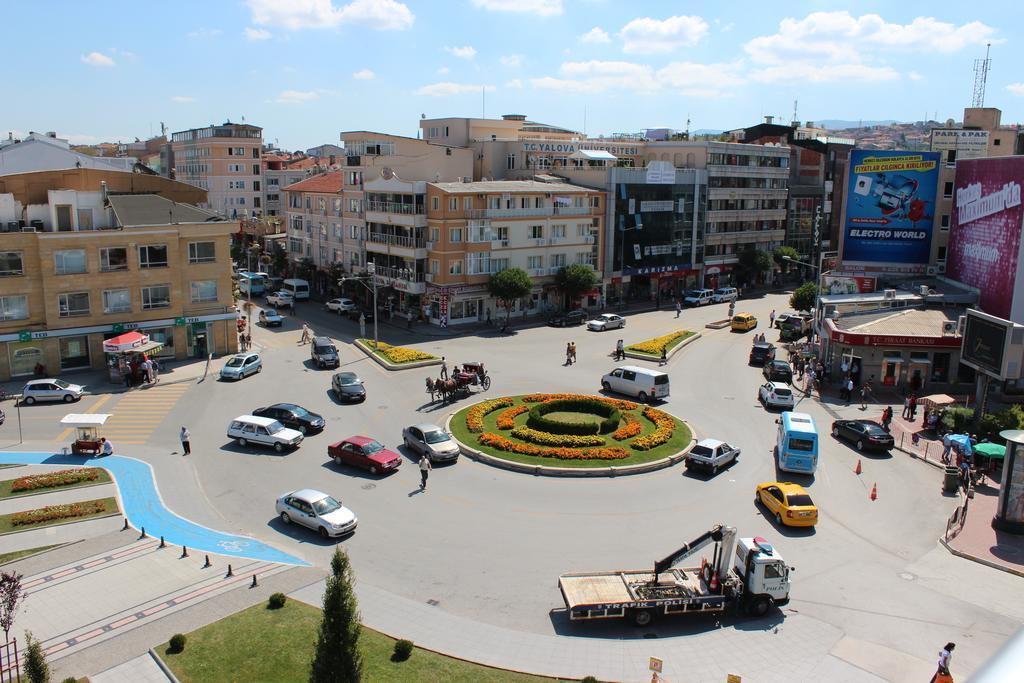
{"x": 207, "y": 563}
{"x": 143, "y": 533}
{"x": 230, "y": 573}
{"x": 253, "y": 585}
{"x": 162, "y": 544}
{"x": 184, "y": 551}
{"x": 125, "y": 527}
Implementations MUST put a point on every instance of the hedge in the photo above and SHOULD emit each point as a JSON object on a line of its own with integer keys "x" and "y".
{"x": 610, "y": 413}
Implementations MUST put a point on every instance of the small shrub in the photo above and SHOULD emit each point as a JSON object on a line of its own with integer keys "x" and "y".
{"x": 564, "y": 440}
{"x": 277, "y": 600}
{"x": 52, "y": 513}
{"x": 177, "y": 643}
{"x": 54, "y": 479}
{"x": 70, "y": 679}
{"x": 590, "y": 679}
{"x": 595, "y": 406}
{"x": 403, "y": 650}
{"x": 34, "y": 667}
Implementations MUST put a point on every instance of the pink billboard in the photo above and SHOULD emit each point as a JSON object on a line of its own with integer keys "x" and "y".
{"x": 984, "y": 239}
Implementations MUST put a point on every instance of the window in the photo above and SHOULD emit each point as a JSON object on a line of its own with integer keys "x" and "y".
{"x": 201, "y": 252}
{"x": 435, "y": 235}
{"x": 534, "y": 262}
{"x": 536, "y": 232}
{"x": 113, "y": 259}
{"x": 203, "y": 291}
{"x": 157, "y": 296}
{"x": 944, "y": 224}
{"x": 353, "y": 232}
{"x": 510, "y": 161}
{"x": 455, "y": 235}
{"x": 595, "y": 202}
{"x": 153, "y": 256}
{"x": 255, "y": 152}
{"x": 453, "y": 204}
{"x": 73, "y": 304}
{"x": 455, "y": 267}
{"x": 14, "y": 307}
{"x": 69, "y": 261}
{"x": 117, "y": 301}
{"x": 773, "y": 571}
{"x": 435, "y": 203}
{"x": 997, "y": 142}
{"x": 947, "y": 189}
{"x": 467, "y": 203}
{"x": 10, "y": 263}
{"x": 557, "y": 260}
{"x": 435, "y": 266}
{"x": 558, "y": 230}
{"x": 941, "y": 255}
{"x": 354, "y": 258}
{"x": 255, "y": 169}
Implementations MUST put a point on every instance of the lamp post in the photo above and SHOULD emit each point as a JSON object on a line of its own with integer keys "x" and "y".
{"x": 371, "y": 270}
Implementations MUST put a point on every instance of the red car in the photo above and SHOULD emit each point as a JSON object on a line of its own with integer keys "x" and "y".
{"x": 364, "y": 452}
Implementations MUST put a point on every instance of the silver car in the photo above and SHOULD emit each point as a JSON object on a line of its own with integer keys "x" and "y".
{"x": 241, "y": 365}
{"x": 606, "y": 321}
{"x": 318, "y": 511}
{"x": 432, "y": 441}
{"x": 50, "y": 390}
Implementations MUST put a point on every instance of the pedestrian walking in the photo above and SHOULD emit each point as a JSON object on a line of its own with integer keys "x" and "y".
{"x": 444, "y": 369}
{"x": 156, "y": 368}
{"x": 942, "y": 674}
{"x": 947, "y": 446}
{"x": 568, "y": 354}
{"x": 864, "y": 397}
{"x": 425, "y": 467}
{"x": 906, "y": 408}
{"x": 771, "y": 318}
{"x": 664, "y": 356}
{"x": 572, "y": 350}
{"x": 620, "y": 350}
{"x": 106, "y": 447}
{"x": 186, "y": 440}
{"x": 679, "y": 308}
{"x": 913, "y": 406}
{"x": 849, "y": 390}
{"x": 147, "y": 369}
{"x": 306, "y": 334}
{"x": 886, "y": 417}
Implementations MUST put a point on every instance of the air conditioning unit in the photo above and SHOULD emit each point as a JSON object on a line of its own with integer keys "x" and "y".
{"x": 932, "y": 270}
{"x": 941, "y": 268}
{"x": 948, "y": 327}
{"x": 889, "y": 294}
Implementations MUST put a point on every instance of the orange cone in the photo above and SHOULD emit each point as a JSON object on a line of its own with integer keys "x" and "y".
{"x": 874, "y": 491}
{"x": 857, "y": 471}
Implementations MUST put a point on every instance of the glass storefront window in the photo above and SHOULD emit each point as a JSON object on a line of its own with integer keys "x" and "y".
{"x": 24, "y": 356}
{"x": 165, "y": 336}
{"x": 74, "y": 352}
{"x": 940, "y": 367}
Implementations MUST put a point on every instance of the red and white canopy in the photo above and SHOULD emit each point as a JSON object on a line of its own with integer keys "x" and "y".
{"x": 125, "y": 342}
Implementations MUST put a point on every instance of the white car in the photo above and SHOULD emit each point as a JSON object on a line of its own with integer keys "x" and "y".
{"x": 711, "y": 455}
{"x": 776, "y": 395}
{"x": 699, "y": 297}
{"x": 241, "y": 365}
{"x": 50, "y": 390}
{"x": 271, "y": 318}
{"x": 263, "y": 431}
{"x": 316, "y": 510}
{"x": 606, "y": 321}
{"x": 340, "y": 306}
{"x": 281, "y": 299}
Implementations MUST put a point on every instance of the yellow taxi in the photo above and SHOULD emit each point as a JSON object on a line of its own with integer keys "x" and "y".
{"x": 789, "y": 503}
{"x": 741, "y": 322}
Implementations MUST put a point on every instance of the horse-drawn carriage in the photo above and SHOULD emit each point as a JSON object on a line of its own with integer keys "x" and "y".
{"x": 463, "y": 381}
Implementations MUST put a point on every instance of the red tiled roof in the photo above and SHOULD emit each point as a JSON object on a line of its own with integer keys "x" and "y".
{"x": 328, "y": 182}
{"x": 304, "y": 162}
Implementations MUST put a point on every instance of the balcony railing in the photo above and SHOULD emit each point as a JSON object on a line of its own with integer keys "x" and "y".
{"x": 397, "y": 240}
{"x": 403, "y": 274}
{"x": 528, "y": 212}
{"x": 395, "y": 207}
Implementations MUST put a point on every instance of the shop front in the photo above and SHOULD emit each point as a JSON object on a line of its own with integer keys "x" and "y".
{"x": 125, "y": 353}
{"x": 458, "y": 305}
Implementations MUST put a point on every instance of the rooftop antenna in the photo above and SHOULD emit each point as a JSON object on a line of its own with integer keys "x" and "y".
{"x": 981, "y": 67}
{"x": 796, "y": 121}
{"x": 687, "y": 125}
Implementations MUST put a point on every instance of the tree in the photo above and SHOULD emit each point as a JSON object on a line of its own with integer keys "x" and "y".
{"x": 753, "y": 262}
{"x": 803, "y": 297}
{"x": 279, "y": 259}
{"x": 780, "y": 253}
{"x": 509, "y": 285}
{"x": 35, "y": 667}
{"x": 337, "y": 658}
{"x": 11, "y": 596}
{"x": 305, "y": 268}
{"x": 575, "y": 280}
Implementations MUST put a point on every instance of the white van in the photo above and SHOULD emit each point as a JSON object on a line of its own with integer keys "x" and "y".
{"x": 723, "y": 294}
{"x": 299, "y": 289}
{"x": 642, "y": 383}
{"x": 698, "y": 297}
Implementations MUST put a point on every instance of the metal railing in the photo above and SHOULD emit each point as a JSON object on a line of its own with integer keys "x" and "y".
{"x": 528, "y": 212}
{"x": 395, "y": 207}
{"x": 406, "y": 274}
{"x": 396, "y": 240}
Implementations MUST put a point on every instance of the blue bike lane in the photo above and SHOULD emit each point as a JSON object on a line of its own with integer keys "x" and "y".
{"x": 144, "y": 508}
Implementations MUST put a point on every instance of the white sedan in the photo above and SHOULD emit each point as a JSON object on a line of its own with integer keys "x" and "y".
{"x": 340, "y": 306}
{"x": 281, "y": 299}
{"x": 606, "y": 321}
{"x": 776, "y": 395}
{"x": 318, "y": 511}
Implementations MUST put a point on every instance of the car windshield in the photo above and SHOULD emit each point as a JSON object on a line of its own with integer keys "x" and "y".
{"x": 274, "y": 427}
{"x": 372, "y": 447}
{"x": 693, "y": 293}
{"x": 347, "y": 380}
{"x": 799, "y": 500}
{"x": 235, "y": 362}
{"x": 61, "y": 383}
{"x": 270, "y": 312}
{"x": 298, "y": 411}
{"x": 874, "y": 430}
{"x": 701, "y": 450}
{"x": 326, "y": 506}
{"x": 436, "y": 436}
{"x": 326, "y": 348}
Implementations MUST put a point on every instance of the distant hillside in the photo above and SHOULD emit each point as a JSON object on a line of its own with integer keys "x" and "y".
{"x": 839, "y": 124}
{"x": 706, "y": 131}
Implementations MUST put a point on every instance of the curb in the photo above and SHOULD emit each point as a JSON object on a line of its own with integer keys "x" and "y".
{"x": 718, "y": 324}
{"x": 392, "y": 366}
{"x": 641, "y": 356}
{"x": 974, "y": 558}
{"x": 934, "y": 463}
{"x": 580, "y": 472}
{"x": 163, "y": 667}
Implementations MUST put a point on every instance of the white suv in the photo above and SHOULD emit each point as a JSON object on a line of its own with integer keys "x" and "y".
{"x": 263, "y": 431}
{"x": 50, "y": 390}
{"x": 723, "y": 294}
{"x": 776, "y": 395}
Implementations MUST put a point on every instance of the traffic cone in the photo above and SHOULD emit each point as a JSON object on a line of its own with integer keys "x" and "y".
{"x": 857, "y": 471}
{"x": 874, "y": 491}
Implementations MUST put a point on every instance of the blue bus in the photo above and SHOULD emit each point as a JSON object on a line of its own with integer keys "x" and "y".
{"x": 251, "y": 284}
{"x": 797, "y": 445}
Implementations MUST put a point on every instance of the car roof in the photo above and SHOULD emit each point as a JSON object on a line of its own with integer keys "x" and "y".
{"x": 41, "y": 381}
{"x": 425, "y": 427}
{"x": 779, "y": 385}
{"x": 269, "y": 311}
{"x": 779, "y": 362}
{"x": 790, "y": 488}
{"x": 288, "y": 406}
{"x": 763, "y": 345}
{"x": 256, "y": 420}
{"x": 322, "y": 340}
{"x": 710, "y": 443}
{"x": 308, "y": 495}
{"x": 868, "y": 423}
{"x": 359, "y": 440}
{"x": 639, "y": 370}
{"x": 346, "y": 375}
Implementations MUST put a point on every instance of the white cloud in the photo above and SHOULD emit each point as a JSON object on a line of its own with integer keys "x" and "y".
{"x": 515, "y": 83}
{"x": 595, "y": 35}
{"x": 1016, "y": 89}
{"x": 443, "y": 71}
{"x": 296, "y": 96}
{"x": 599, "y": 76}
{"x": 511, "y": 60}
{"x": 204, "y": 33}
{"x": 364, "y": 75}
{"x": 466, "y": 52}
{"x": 182, "y": 98}
{"x": 649, "y": 36}
{"x": 97, "y": 59}
{"x": 701, "y": 80}
{"x": 543, "y": 8}
{"x": 448, "y": 88}
{"x": 385, "y": 15}
{"x": 809, "y": 72}
{"x": 257, "y": 34}
{"x": 914, "y": 76}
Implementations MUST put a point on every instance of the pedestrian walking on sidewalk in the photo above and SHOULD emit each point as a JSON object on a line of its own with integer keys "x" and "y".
{"x": 444, "y": 369}
{"x": 568, "y": 354}
{"x": 849, "y": 389}
{"x": 906, "y": 408}
{"x": 664, "y": 356}
{"x": 886, "y": 417}
{"x": 307, "y": 334}
{"x": 425, "y": 467}
{"x": 945, "y": 657}
{"x": 771, "y": 319}
{"x": 913, "y": 406}
{"x": 864, "y": 397}
{"x": 620, "y": 350}
{"x": 572, "y": 350}
{"x": 679, "y": 308}
{"x": 186, "y": 440}
{"x": 947, "y": 446}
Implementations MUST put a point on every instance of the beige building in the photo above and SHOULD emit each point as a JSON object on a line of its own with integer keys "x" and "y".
{"x": 314, "y": 219}
{"x": 225, "y": 161}
{"x": 475, "y": 229}
{"x": 145, "y": 263}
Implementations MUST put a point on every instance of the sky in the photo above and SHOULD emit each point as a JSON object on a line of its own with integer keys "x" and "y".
{"x": 304, "y": 70}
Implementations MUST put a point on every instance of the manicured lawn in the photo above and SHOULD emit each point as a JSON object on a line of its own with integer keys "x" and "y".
{"x": 20, "y": 554}
{"x": 110, "y": 508}
{"x": 260, "y": 644}
{"x": 668, "y": 347}
{"x": 574, "y": 418}
{"x": 5, "y": 486}
{"x": 680, "y": 439}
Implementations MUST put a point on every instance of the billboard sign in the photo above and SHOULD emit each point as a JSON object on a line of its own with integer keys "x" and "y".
{"x": 890, "y": 207}
{"x": 968, "y": 144}
{"x": 984, "y": 239}
{"x": 984, "y": 343}
{"x": 849, "y": 284}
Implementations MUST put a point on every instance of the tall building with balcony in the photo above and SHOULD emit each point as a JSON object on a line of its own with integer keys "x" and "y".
{"x": 476, "y": 229}
{"x": 315, "y": 224}
{"x": 225, "y": 161}
{"x": 395, "y": 239}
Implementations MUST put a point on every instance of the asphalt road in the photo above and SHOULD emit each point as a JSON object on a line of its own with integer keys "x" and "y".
{"x": 490, "y": 544}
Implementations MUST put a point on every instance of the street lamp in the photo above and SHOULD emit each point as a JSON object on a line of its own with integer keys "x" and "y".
{"x": 371, "y": 270}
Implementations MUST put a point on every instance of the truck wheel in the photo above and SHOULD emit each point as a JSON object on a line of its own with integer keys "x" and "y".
{"x": 758, "y": 606}
{"x": 642, "y": 617}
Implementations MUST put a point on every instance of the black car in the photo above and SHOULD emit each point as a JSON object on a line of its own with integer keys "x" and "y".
{"x": 778, "y": 371}
{"x": 577, "y": 317}
{"x": 367, "y": 314}
{"x": 864, "y": 434}
{"x": 294, "y": 416}
{"x": 348, "y": 387}
{"x": 761, "y": 353}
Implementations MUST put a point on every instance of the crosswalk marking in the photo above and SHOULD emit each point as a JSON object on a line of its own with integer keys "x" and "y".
{"x": 138, "y": 414}
{"x": 95, "y": 408}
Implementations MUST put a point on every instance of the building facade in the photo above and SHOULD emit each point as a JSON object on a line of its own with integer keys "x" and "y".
{"x": 315, "y": 224}
{"x": 225, "y": 161}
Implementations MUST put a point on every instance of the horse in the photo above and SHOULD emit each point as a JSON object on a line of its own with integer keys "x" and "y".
{"x": 446, "y": 388}
{"x": 431, "y": 390}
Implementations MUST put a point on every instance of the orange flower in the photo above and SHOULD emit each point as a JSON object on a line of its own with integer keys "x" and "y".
{"x": 631, "y": 428}
{"x": 475, "y": 416}
{"x": 507, "y": 418}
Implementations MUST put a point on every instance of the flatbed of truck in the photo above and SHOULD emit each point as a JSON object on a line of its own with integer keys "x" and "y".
{"x": 622, "y": 587}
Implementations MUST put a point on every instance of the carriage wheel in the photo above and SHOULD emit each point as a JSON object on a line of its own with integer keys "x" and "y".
{"x": 486, "y": 383}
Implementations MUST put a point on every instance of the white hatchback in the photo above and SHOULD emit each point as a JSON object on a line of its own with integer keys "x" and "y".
{"x": 50, "y": 390}
{"x": 776, "y": 395}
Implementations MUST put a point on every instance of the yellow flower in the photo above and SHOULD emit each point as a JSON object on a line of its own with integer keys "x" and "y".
{"x": 655, "y": 346}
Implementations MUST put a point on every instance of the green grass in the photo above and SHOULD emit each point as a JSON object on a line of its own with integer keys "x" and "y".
{"x": 680, "y": 439}
{"x": 276, "y": 646}
{"x": 5, "y": 486}
{"x": 668, "y": 347}
{"x": 21, "y": 554}
{"x": 573, "y": 418}
{"x": 7, "y": 527}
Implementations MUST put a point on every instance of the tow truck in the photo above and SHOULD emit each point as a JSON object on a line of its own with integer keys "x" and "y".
{"x": 757, "y": 580}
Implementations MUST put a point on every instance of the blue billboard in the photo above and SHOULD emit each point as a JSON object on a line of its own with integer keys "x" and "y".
{"x": 890, "y": 208}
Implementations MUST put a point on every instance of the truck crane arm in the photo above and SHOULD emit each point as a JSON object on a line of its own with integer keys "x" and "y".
{"x": 715, "y": 534}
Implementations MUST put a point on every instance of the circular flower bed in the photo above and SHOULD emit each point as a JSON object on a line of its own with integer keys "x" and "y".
{"x": 518, "y": 428}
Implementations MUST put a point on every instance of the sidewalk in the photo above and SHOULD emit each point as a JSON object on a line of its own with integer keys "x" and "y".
{"x": 98, "y": 381}
{"x": 978, "y": 541}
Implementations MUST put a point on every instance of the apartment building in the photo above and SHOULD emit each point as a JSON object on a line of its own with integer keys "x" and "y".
{"x": 47, "y": 152}
{"x": 281, "y": 170}
{"x": 140, "y": 262}
{"x": 225, "y": 161}
{"x": 394, "y": 240}
{"x": 475, "y": 229}
{"x": 314, "y": 219}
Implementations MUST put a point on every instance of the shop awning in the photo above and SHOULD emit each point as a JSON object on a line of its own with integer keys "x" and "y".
{"x": 129, "y": 341}
{"x": 892, "y": 358}
{"x": 593, "y": 155}
{"x": 150, "y": 347}
{"x": 936, "y": 400}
